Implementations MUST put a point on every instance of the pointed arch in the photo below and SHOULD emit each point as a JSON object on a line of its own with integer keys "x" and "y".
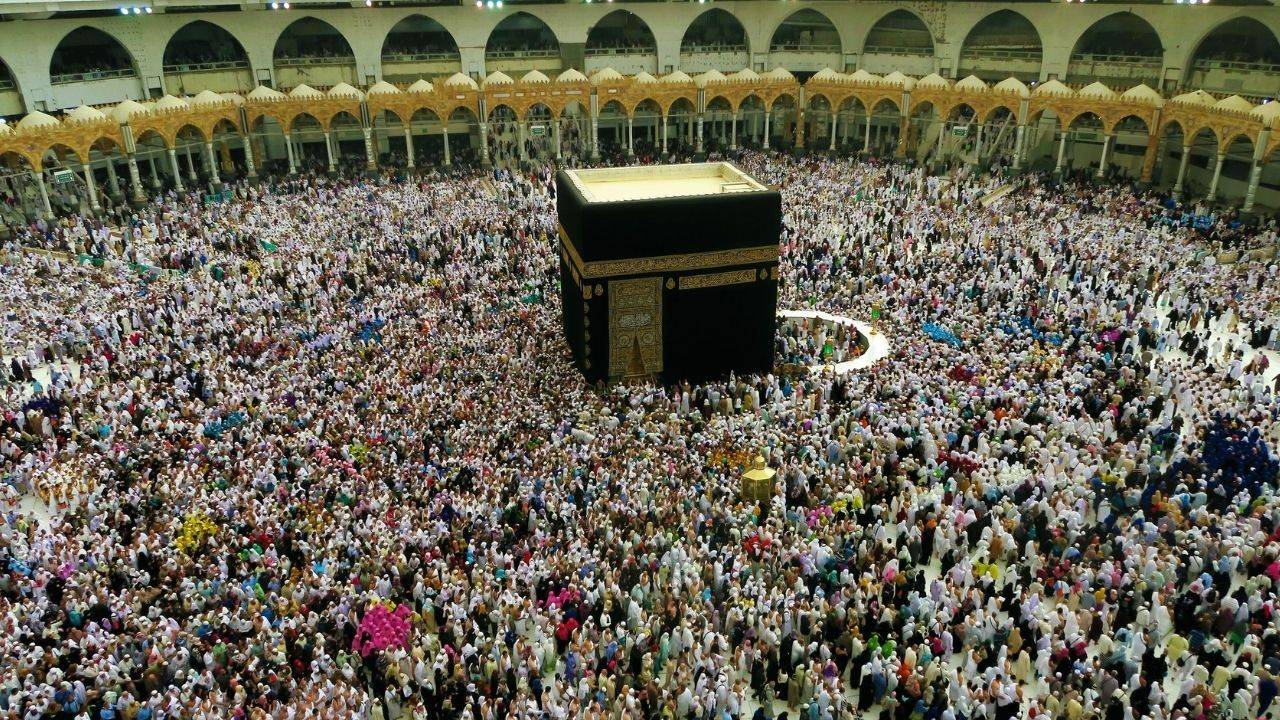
{"x": 621, "y": 30}
{"x": 806, "y": 30}
{"x": 87, "y": 53}
{"x": 899, "y": 32}
{"x": 419, "y": 37}
{"x": 1001, "y": 44}
{"x": 522, "y": 33}
{"x": 1121, "y": 49}
{"x": 312, "y": 38}
{"x": 1243, "y": 36}
{"x": 715, "y": 28}
{"x": 203, "y": 43}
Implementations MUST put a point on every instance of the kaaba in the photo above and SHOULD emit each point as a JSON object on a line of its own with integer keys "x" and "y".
{"x": 668, "y": 272}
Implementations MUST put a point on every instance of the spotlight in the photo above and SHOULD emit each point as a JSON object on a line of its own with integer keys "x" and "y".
{"x": 489, "y": 4}
{"x": 148, "y": 11}
{"x": 124, "y": 11}
{"x": 285, "y": 6}
{"x": 275, "y": 6}
{"x": 479, "y": 3}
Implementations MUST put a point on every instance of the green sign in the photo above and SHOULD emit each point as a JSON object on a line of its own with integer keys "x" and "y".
{"x": 538, "y": 130}
{"x": 64, "y": 177}
{"x": 960, "y": 131}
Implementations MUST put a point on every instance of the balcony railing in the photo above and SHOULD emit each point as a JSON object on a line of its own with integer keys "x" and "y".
{"x": 207, "y": 66}
{"x": 1000, "y": 54}
{"x": 1235, "y": 65}
{"x": 305, "y": 61}
{"x": 435, "y": 56}
{"x": 897, "y": 50}
{"x": 615, "y": 51}
{"x": 696, "y": 49}
{"x": 64, "y": 78}
{"x": 499, "y": 54}
{"x": 7, "y": 84}
{"x": 805, "y": 48}
{"x": 1145, "y": 60}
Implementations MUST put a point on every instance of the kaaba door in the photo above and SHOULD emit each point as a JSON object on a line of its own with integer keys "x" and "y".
{"x": 635, "y": 327}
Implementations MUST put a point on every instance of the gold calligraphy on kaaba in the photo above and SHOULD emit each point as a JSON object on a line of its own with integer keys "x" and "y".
{"x": 731, "y": 277}
{"x": 709, "y": 260}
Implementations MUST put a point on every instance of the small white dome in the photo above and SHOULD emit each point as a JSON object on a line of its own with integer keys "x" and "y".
{"x": 645, "y": 78}
{"x": 1235, "y": 103}
{"x": 605, "y": 75}
{"x": 207, "y": 97}
{"x": 677, "y": 77}
{"x": 1052, "y": 88}
{"x": 932, "y": 80}
{"x": 1268, "y": 113}
{"x": 897, "y": 79}
{"x": 382, "y": 87}
{"x": 459, "y": 80}
{"x": 1142, "y": 93}
{"x": 497, "y": 78}
{"x": 1097, "y": 91}
{"x": 779, "y": 73}
{"x": 262, "y": 92}
{"x": 169, "y": 102}
{"x": 422, "y": 86}
{"x": 534, "y": 77}
{"x": 1198, "y": 97}
{"x": 861, "y": 77}
{"x": 1013, "y": 86}
{"x": 745, "y": 74}
{"x": 710, "y": 76}
{"x": 571, "y": 75}
{"x": 306, "y": 91}
{"x": 972, "y": 83}
{"x": 826, "y": 74}
{"x": 126, "y": 110}
{"x": 343, "y": 90}
{"x": 85, "y": 113}
{"x": 37, "y": 120}
{"x": 233, "y": 98}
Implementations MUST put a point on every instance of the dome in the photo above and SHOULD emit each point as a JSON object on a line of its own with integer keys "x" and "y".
{"x": 1199, "y": 97}
{"x": 645, "y": 78}
{"x": 457, "y": 80}
{"x": 85, "y": 113}
{"x": 973, "y": 84}
{"x": 1267, "y": 113}
{"x": 1144, "y": 94}
{"x": 747, "y": 74}
{"x": 1235, "y": 103}
{"x": 535, "y": 76}
{"x": 169, "y": 102}
{"x": 932, "y": 80}
{"x": 1013, "y": 86}
{"x": 1097, "y": 91}
{"x": 862, "y": 77}
{"x": 207, "y": 97}
{"x": 496, "y": 78}
{"x": 1052, "y": 88}
{"x": 306, "y": 91}
{"x": 605, "y": 75}
{"x": 382, "y": 87}
{"x": 37, "y": 120}
{"x": 262, "y": 92}
{"x": 422, "y": 86}
{"x": 233, "y": 98}
{"x": 827, "y": 75}
{"x": 571, "y": 75}
{"x": 343, "y": 90}
{"x": 710, "y": 76}
{"x": 897, "y": 79}
{"x": 126, "y": 110}
{"x": 780, "y": 73}
{"x": 677, "y": 77}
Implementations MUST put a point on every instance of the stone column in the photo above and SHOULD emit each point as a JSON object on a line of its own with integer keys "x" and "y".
{"x": 191, "y": 166}
{"x": 328, "y": 150}
{"x": 520, "y": 130}
{"x": 1018, "y": 148}
{"x": 697, "y": 148}
{"x": 1149, "y": 158}
{"x": 1217, "y": 174}
{"x": 44, "y": 194}
{"x": 1182, "y": 169}
{"x": 555, "y": 136}
{"x": 866, "y": 140}
{"x": 835, "y": 129}
{"x": 484, "y": 144}
{"x": 444, "y": 135}
{"x": 733, "y": 131}
{"x": 1062, "y": 151}
{"x": 595, "y": 133}
{"x": 135, "y": 182}
{"x": 800, "y": 127}
{"x": 631, "y": 149}
{"x": 214, "y": 175}
{"x": 250, "y": 168}
{"x": 91, "y": 186}
{"x": 1102, "y": 161}
{"x": 113, "y": 181}
{"x": 288, "y": 147}
{"x": 177, "y": 171}
{"x": 1255, "y": 171}
{"x": 977, "y": 147}
{"x": 766, "y": 129}
{"x": 155, "y": 172}
{"x": 665, "y": 123}
{"x": 371, "y": 160}
{"x": 408, "y": 143}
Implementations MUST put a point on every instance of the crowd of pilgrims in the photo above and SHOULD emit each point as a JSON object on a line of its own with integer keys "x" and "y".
{"x": 260, "y": 420}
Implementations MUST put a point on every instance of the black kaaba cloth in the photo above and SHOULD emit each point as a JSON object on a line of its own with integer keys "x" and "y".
{"x": 668, "y": 271}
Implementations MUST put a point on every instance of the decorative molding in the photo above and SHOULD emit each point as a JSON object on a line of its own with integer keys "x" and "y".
{"x": 731, "y": 277}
